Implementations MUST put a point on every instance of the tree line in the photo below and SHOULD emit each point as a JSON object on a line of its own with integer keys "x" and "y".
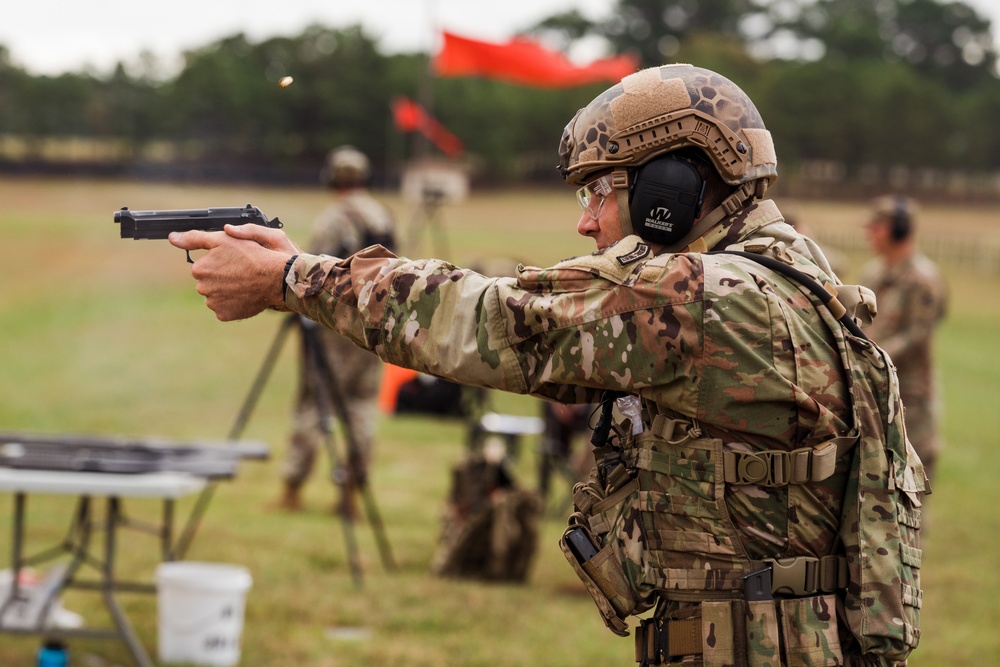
{"x": 854, "y": 91}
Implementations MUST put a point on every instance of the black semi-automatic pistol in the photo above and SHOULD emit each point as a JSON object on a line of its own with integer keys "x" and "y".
{"x": 159, "y": 224}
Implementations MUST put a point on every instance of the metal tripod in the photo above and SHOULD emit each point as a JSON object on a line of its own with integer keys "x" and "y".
{"x": 328, "y": 395}
{"x": 427, "y": 215}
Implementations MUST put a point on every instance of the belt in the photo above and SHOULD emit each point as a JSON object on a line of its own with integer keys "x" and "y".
{"x": 659, "y": 641}
{"x": 801, "y": 576}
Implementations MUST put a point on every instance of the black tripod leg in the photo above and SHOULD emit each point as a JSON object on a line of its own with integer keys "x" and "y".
{"x": 346, "y": 520}
{"x": 336, "y": 476}
{"x": 351, "y": 541}
{"x": 205, "y": 497}
{"x": 328, "y": 382}
{"x": 440, "y": 238}
{"x": 262, "y": 376}
{"x": 375, "y": 519}
{"x": 325, "y": 390}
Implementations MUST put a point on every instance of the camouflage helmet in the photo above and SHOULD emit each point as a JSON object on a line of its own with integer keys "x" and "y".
{"x": 888, "y": 206}
{"x": 661, "y": 109}
{"x": 345, "y": 166}
{"x": 898, "y": 212}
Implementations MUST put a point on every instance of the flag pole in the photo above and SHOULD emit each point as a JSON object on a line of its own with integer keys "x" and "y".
{"x": 425, "y": 87}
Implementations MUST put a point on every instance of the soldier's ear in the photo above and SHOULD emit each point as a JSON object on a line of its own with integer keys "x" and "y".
{"x": 901, "y": 223}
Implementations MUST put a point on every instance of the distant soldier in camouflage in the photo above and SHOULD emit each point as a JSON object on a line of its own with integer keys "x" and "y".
{"x": 354, "y": 220}
{"x": 912, "y": 300}
{"x": 753, "y": 483}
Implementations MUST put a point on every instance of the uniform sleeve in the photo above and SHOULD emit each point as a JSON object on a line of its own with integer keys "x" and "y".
{"x": 427, "y": 315}
{"x": 564, "y": 333}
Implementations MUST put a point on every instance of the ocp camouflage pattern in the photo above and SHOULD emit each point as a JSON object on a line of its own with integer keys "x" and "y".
{"x": 741, "y": 355}
{"x": 672, "y": 105}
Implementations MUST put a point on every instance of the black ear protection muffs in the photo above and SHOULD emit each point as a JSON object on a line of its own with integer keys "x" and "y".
{"x": 900, "y": 222}
{"x": 665, "y": 198}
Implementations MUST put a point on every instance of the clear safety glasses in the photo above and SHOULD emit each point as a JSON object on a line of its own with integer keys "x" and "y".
{"x": 585, "y": 196}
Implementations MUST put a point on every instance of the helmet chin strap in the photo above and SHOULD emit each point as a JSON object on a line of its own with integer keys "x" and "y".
{"x": 730, "y": 205}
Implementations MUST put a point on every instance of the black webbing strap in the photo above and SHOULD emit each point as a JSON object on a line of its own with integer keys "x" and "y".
{"x": 800, "y": 277}
{"x": 601, "y": 433}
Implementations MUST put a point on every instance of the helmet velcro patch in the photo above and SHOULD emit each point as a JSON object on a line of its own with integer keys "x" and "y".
{"x": 648, "y": 95}
{"x": 587, "y": 155}
{"x": 761, "y": 146}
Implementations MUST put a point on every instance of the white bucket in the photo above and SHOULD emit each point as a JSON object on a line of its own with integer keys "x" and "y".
{"x": 200, "y": 608}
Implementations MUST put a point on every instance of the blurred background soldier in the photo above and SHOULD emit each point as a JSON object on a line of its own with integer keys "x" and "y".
{"x": 565, "y": 425}
{"x": 912, "y": 299}
{"x": 353, "y": 221}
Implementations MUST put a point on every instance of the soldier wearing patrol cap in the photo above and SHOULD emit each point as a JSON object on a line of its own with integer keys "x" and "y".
{"x": 352, "y": 221}
{"x": 912, "y": 300}
{"x": 745, "y": 417}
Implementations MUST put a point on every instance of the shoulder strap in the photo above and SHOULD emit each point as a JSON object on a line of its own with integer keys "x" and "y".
{"x": 829, "y": 300}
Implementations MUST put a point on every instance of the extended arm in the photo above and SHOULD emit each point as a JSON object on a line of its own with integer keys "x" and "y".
{"x": 563, "y": 333}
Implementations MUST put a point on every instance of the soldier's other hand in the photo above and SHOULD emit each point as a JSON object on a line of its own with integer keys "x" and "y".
{"x": 238, "y": 277}
{"x": 269, "y": 237}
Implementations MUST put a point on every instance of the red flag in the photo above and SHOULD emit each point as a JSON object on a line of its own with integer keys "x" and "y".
{"x": 411, "y": 117}
{"x": 525, "y": 62}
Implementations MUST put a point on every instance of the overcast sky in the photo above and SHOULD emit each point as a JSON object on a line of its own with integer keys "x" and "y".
{"x": 54, "y": 36}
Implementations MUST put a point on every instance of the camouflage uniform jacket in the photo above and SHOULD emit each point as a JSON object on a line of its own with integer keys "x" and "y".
{"x": 715, "y": 338}
{"x": 738, "y": 353}
{"x": 912, "y": 300}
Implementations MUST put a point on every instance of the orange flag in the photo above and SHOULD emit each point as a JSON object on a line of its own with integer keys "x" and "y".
{"x": 525, "y": 62}
{"x": 411, "y": 117}
{"x": 393, "y": 377}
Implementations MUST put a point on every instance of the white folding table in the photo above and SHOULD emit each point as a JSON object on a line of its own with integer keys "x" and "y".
{"x": 86, "y": 486}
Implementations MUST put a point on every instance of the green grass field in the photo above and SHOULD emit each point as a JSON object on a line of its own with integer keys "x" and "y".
{"x": 104, "y": 336}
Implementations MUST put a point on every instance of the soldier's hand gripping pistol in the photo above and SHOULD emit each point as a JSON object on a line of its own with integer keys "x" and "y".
{"x": 159, "y": 224}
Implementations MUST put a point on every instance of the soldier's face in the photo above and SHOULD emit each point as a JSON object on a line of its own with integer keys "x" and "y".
{"x": 599, "y": 220}
{"x": 879, "y": 236}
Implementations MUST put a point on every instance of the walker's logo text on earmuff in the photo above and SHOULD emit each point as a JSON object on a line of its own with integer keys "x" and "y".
{"x": 659, "y": 218}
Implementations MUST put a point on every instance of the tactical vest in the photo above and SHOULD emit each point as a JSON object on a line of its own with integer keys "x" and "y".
{"x": 368, "y": 235}
{"x": 652, "y": 529}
